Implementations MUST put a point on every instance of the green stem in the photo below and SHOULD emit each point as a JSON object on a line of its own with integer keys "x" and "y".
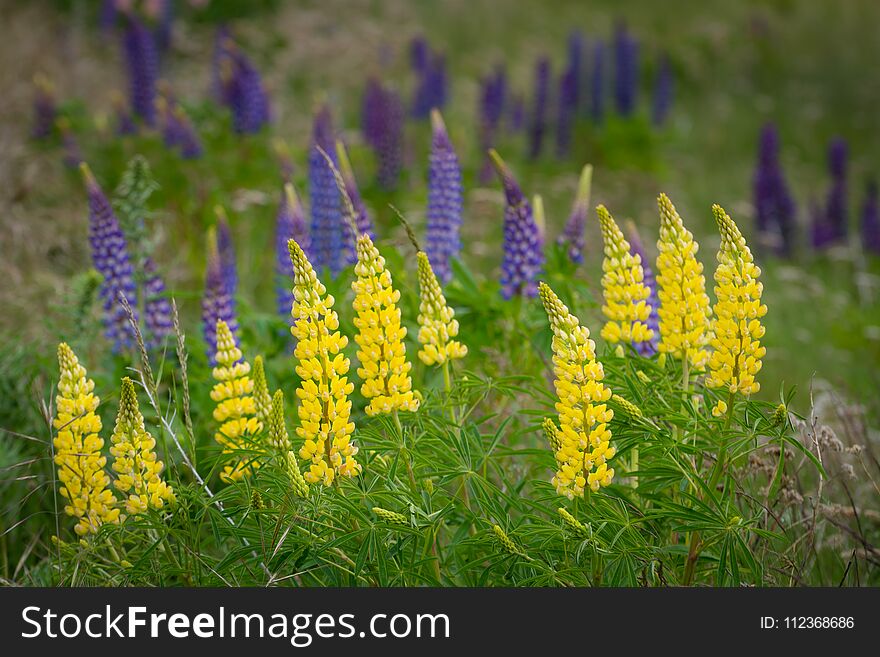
{"x": 408, "y": 460}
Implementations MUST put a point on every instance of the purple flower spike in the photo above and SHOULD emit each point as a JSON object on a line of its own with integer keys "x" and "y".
{"x": 538, "y": 125}
{"x": 362, "y": 221}
{"x": 290, "y": 225}
{"x": 419, "y": 53}
{"x": 493, "y": 94}
{"x": 663, "y": 89}
{"x": 574, "y": 66}
{"x": 226, "y": 252}
{"x": 389, "y": 139}
{"x": 247, "y": 95}
{"x": 626, "y": 70}
{"x": 566, "y": 112}
{"x": 517, "y": 120}
{"x": 189, "y": 142}
{"x": 157, "y": 308}
{"x": 836, "y": 206}
{"x": 216, "y": 302}
{"x": 774, "y": 206}
{"x": 821, "y": 230}
{"x": 444, "y": 200}
{"x": 110, "y": 258}
{"x": 648, "y": 348}
{"x": 523, "y": 242}
{"x": 573, "y": 235}
{"x": 45, "y": 108}
{"x": 372, "y": 110}
{"x": 871, "y": 220}
{"x": 330, "y": 239}
{"x": 432, "y": 85}
{"x": 142, "y": 61}
{"x": 597, "y": 83}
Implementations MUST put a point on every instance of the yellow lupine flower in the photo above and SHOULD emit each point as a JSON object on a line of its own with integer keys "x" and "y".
{"x": 84, "y": 483}
{"x": 583, "y": 435}
{"x": 737, "y": 329}
{"x": 235, "y": 406}
{"x": 381, "y": 351}
{"x": 681, "y": 288}
{"x": 138, "y": 470}
{"x": 324, "y": 407}
{"x": 626, "y": 296}
{"x": 262, "y": 399}
{"x": 437, "y": 323}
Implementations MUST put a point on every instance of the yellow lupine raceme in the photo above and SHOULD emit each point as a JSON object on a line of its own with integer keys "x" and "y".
{"x": 84, "y": 483}
{"x": 737, "y": 328}
{"x": 583, "y": 437}
{"x": 437, "y": 323}
{"x": 324, "y": 407}
{"x": 626, "y": 295}
{"x": 235, "y": 409}
{"x": 138, "y": 470}
{"x": 681, "y": 288}
{"x": 381, "y": 350}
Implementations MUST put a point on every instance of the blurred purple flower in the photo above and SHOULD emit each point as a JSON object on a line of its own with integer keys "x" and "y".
{"x": 247, "y": 95}
{"x": 226, "y": 253}
{"x": 836, "y": 211}
{"x": 871, "y": 220}
{"x": 142, "y": 63}
{"x": 597, "y": 83}
{"x": 110, "y": 258}
{"x": 538, "y": 125}
{"x": 566, "y": 112}
{"x": 71, "y": 153}
{"x": 362, "y": 221}
{"x": 331, "y": 241}
{"x": 444, "y": 201}
{"x": 774, "y": 206}
{"x": 216, "y": 301}
{"x": 517, "y": 112}
{"x": 573, "y": 235}
{"x": 626, "y": 70}
{"x": 431, "y": 85}
{"x": 523, "y": 242}
{"x": 493, "y": 95}
{"x": 157, "y": 308}
{"x": 663, "y": 90}
{"x": 124, "y": 119}
{"x": 574, "y": 66}
{"x": 419, "y": 53}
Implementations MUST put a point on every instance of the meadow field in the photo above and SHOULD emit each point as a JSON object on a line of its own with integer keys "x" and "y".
{"x": 483, "y": 293}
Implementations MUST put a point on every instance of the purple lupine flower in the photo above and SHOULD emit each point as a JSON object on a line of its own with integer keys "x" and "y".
{"x": 597, "y": 83}
{"x": 362, "y": 222}
{"x": 164, "y": 11}
{"x": 330, "y": 246}
{"x": 493, "y": 93}
{"x": 636, "y": 247}
{"x": 107, "y": 15}
{"x": 574, "y": 66}
{"x": 573, "y": 235}
{"x": 168, "y": 123}
{"x": 226, "y": 252}
{"x": 221, "y": 66}
{"x": 419, "y": 53}
{"x": 774, "y": 206}
{"x": 389, "y": 140}
{"x": 566, "y": 111}
{"x": 431, "y": 87}
{"x": 289, "y": 225}
{"x": 523, "y": 242}
{"x": 124, "y": 119}
{"x": 157, "y": 308}
{"x": 444, "y": 200}
{"x": 71, "y": 153}
{"x": 821, "y": 231}
{"x": 45, "y": 108}
{"x": 189, "y": 142}
{"x": 871, "y": 219}
{"x": 247, "y": 95}
{"x": 372, "y": 110}
{"x": 663, "y": 90}
{"x": 836, "y": 206}
{"x": 538, "y": 125}
{"x": 110, "y": 258}
{"x": 142, "y": 62}
{"x": 517, "y": 118}
{"x": 216, "y": 301}
{"x": 626, "y": 70}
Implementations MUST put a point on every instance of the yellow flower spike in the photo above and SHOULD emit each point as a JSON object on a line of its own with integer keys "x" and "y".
{"x": 575, "y": 525}
{"x": 505, "y": 542}
{"x": 737, "y": 329}
{"x": 583, "y": 414}
{"x": 324, "y": 407}
{"x": 391, "y": 517}
{"x": 138, "y": 470}
{"x": 551, "y": 432}
{"x": 236, "y": 411}
{"x": 262, "y": 400}
{"x": 626, "y": 295}
{"x": 437, "y": 323}
{"x": 381, "y": 350}
{"x": 681, "y": 288}
{"x": 83, "y": 481}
